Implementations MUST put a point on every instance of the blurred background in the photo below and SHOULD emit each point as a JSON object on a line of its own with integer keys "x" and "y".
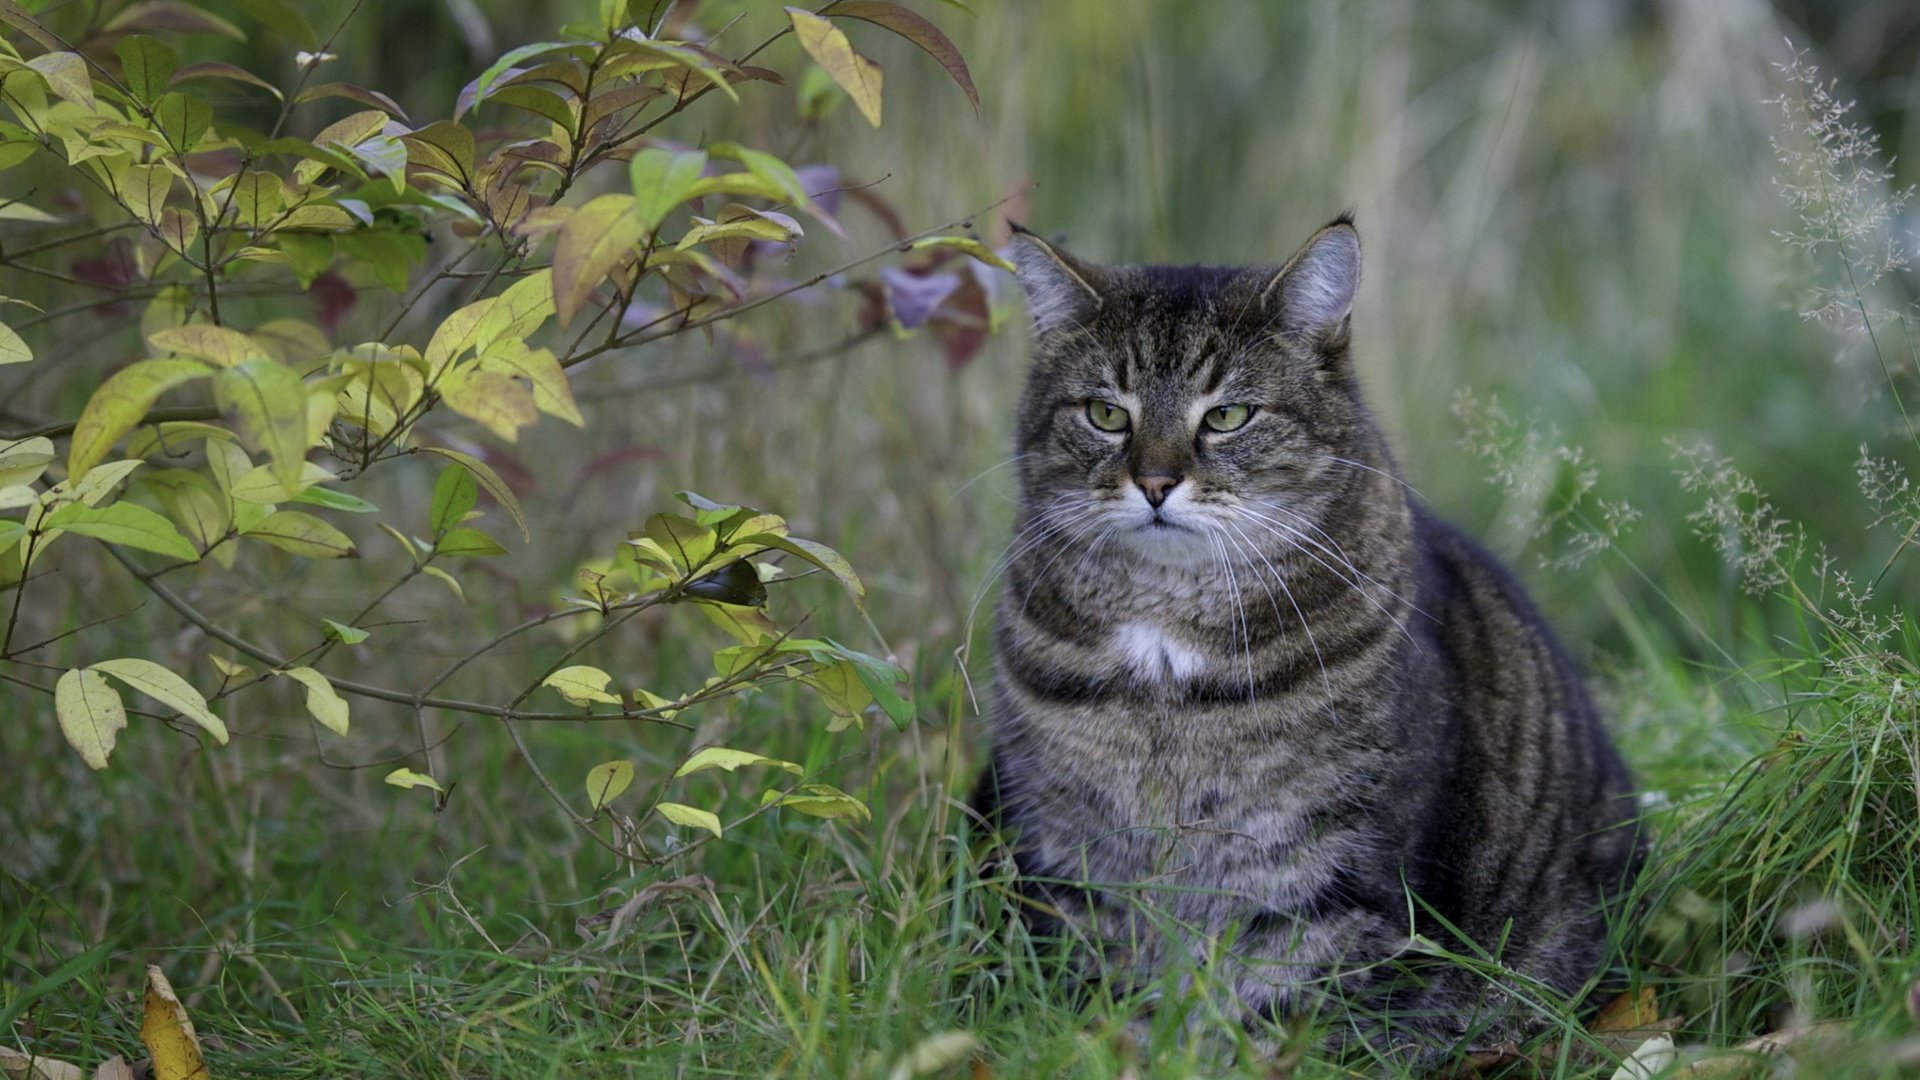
{"x": 1574, "y": 218}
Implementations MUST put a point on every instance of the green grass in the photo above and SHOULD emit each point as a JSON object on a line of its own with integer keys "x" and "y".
{"x": 1580, "y": 222}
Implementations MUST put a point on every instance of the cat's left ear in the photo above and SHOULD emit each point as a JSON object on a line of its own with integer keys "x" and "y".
{"x": 1312, "y": 296}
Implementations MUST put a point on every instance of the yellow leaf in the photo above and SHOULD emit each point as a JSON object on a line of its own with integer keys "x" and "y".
{"x": 302, "y": 534}
{"x": 968, "y": 245}
{"x": 582, "y": 685}
{"x": 719, "y": 757}
{"x": 67, "y": 73}
{"x": 820, "y": 800}
{"x": 456, "y": 334}
{"x": 90, "y": 715}
{"x": 407, "y": 778}
{"x": 692, "y": 817}
{"x": 326, "y": 706}
{"x": 23, "y": 460}
{"x": 169, "y": 1034}
{"x": 145, "y": 189}
{"x": 496, "y": 402}
{"x": 598, "y": 239}
{"x": 267, "y": 401}
{"x": 168, "y": 689}
{"x": 607, "y": 780}
{"x": 860, "y": 77}
{"x": 120, "y": 403}
{"x": 551, "y": 393}
{"x": 261, "y": 485}
{"x": 517, "y": 312}
{"x": 178, "y": 228}
{"x": 13, "y": 348}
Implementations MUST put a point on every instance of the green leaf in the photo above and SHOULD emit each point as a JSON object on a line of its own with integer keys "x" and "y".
{"x": 407, "y": 778}
{"x": 768, "y": 168}
{"x": 23, "y": 460}
{"x": 120, "y": 403}
{"x": 690, "y": 816}
{"x": 174, "y": 16}
{"x": 166, "y": 688}
{"x": 282, "y": 19}
{"x": 302, "y": 534}
{"x": 13, "y": 348}
{"x": 323, "y": 703}
{"x": 444, "y": 147}
{"x": 127, "y": 524}
{"x": 598, "y": 239}
{"x": 454, "y": 493}
{"x": 355, "y": 93}
{"x": 183, "y": 119}
{"x": 91, "y": 715}
{"x": 495, "y": 70}
{"x": 662, "y": 180}
{"x": 582, "y": 685}
{"x": 969, "y": 245}
{"x": 688, "y": 542}
{"x": 607, "y": 780}
{"x": 216, "y": 69}
{"x": 881, "y": 679}
{"x": 860, "y": 77}
{"x": 719, "y": 757}
{"x": 915, "y": 28}
{"x": 267, "y": 402}
{"x": 818, "y": 554}
{"x": 344, "y": 634}
{"x": 821, "y": 801}
{"x": 468, "y": 543}
{"x": 336, "y": 500}
{"x": 489, "y": 480}
{"x": 434, "y": 571}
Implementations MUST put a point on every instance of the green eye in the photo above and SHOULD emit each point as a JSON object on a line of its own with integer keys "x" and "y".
{"x": 1107, "y": 416}
{"x": 1228, "y": 417}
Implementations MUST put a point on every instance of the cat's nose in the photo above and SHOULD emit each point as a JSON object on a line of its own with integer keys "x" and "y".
{"x": 1156, "y": 486}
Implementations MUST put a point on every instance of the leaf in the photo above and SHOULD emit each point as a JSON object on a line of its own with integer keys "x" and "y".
{"x": 175, "y": 16}
{"x": 545, "y": 378}
{"x": 22, "y": 461}
{"x": 688, "y": 542}
{"x": 968, "y": 245}
{"x": 90, "y": 714}
{"x": 582, "y": 685}
{"x": 127, "y": 524}
{"x": 935, "y": 1054}
{"x": 444, "y": 147}
{"x": 1648, "y": 1060}
{"x": 344, "y": 634}
{"x": 67, "y": 73}
{"x": 671, "y": 54}
{"x": 497, "y": 402}
{"x": 515, "y": 313}
{"x": 145, "y": 189}
{"x": 214, "y": 344}
{"x": 540, "y": 102}
{"x": 689, "y": 816}
{"x": 323, "y": 703}
{"x": 120, "y": 403}
{"x": 146, "y": 66}
{"x": 489, "y": 480}
{"x": 13, "y": 348}
{"x": 596, "y": 240}
{"x": 215, "y": 69}
{"x": 183, "y": 119}
{"x": 262, "y": 486}
{"x": 467, "y": 543}
{"x": 607, "y": 780}
{"x": 818, "y": 554}
{"x": 454, "y": 493}
{"x": 168, "y": 1033}
{"x": 498, "y": 68}
{"x": 821, "y": 801}
{"x": 166, "y": 688}
{"x": 662, "y": 180}
{"x": 407, "y": 778}
{"x": 768, "y": 168}
{"x": 915, "y": 28}
{"x": 1630, "y": 1011}
{"x": 283, "y": 19}
{"x": 353, "y": 92}
{"x": 434, "y": 571}
{"x": 267, "y": 402}
{"x": 228, "y": 668}
{"x": 302, "y": 534}
{"x": 719, "y": 757}
{"x": 880, "y": 679}
{"x": 860, "y": 77}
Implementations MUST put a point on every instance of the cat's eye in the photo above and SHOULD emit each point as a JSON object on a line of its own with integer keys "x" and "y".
{"x": 1228, "y": 417}
{"x": 1107, "y": 416}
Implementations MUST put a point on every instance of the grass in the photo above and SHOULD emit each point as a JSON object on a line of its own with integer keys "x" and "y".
{"x": 1577, "y": 224}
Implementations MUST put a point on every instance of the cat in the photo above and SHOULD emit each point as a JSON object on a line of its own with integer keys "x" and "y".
{"x": 1253, "y": 700}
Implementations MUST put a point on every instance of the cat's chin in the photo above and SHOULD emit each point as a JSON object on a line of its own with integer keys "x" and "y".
{"x": 1165, "y": 544}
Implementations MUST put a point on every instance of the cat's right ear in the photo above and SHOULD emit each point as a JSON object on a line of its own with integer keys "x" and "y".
{"x": 1061, "y": 290}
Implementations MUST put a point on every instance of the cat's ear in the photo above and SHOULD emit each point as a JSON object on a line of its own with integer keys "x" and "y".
{"x": 1061, "y": 290}
{"x": 1312, "y": 296}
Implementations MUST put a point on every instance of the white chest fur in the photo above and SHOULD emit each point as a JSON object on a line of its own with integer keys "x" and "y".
{"x": 1154, "y": 653}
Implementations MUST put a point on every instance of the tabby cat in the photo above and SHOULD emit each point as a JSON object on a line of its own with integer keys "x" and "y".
{"x": 1255, "y": 701}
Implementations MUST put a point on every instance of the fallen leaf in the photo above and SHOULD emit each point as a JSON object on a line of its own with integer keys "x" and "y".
{"x": 168, "y": 1033}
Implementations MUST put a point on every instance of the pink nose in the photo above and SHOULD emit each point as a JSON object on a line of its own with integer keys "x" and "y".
{"x": 1156, "y": 486}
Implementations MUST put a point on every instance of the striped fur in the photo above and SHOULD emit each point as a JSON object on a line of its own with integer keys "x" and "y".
{"x": 1290, "y": 715}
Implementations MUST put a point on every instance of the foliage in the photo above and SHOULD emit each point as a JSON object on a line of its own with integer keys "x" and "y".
{"x": 235, "y": 434}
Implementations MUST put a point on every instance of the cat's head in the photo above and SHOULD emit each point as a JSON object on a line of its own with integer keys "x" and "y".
{"x": 1191, "y": 410}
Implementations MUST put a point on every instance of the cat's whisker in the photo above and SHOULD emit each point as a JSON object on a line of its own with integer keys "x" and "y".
{"x": 984, "y": 473}
{"x": 1044, "y": 525}
{"x": 1296, "y": 522}
{"x": 1293, "y": 538}
{"x": 1240, "y": 608}
{"x": 1279, "y": 579}
{"x": 1381, "y": 472}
